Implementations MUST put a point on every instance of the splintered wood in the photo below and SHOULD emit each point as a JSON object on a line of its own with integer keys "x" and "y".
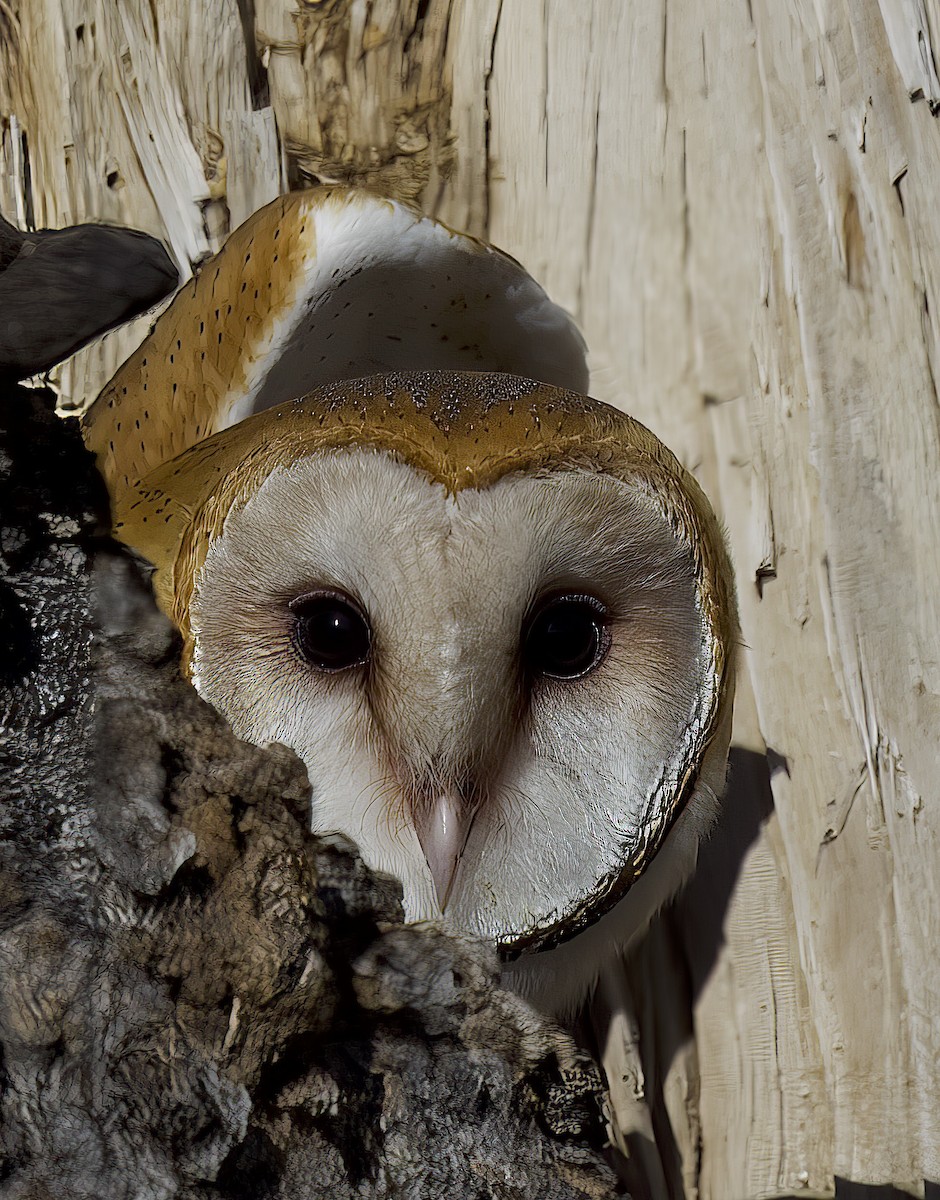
{"x": 738, "y": 203}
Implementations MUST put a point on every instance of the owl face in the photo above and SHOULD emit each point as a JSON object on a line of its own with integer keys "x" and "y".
{"x": 494, "y": 690}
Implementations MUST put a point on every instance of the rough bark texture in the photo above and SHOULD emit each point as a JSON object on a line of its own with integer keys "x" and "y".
{"x": 198, "y": 999}
{"x": 738, "y": 202}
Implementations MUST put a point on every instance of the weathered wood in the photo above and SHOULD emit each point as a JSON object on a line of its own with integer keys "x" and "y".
{"x": 133, "y": 114}
{"x": 738, "y": 202}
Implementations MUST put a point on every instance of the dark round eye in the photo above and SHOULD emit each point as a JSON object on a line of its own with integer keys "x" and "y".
{"x": 567, "y": 637}
{"x": 330, "y": 632}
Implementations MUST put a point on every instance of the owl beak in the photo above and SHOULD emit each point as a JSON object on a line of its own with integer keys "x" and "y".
{"x": 443, "y": 827}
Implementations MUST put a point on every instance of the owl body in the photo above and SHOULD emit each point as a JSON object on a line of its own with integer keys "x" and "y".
{"x": 494, "y": 617}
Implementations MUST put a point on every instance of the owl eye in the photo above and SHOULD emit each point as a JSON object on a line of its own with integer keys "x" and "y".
{"x": 567, "y": 637}
{"x": 330, "y": 631}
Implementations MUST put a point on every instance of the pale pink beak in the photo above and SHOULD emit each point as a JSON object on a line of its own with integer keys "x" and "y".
{"x": 443, "y": 827}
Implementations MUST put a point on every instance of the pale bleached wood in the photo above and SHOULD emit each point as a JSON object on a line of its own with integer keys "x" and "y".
{"x": 134, "y": 114}
{"x": 358, "y": 90}
{"x": 738, "y": 202}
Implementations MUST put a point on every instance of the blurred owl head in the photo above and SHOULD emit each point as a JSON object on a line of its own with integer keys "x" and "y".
{"x": 493, "y": 616}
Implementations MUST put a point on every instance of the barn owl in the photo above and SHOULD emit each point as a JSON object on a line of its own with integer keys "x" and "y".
{"x": 493, "y": 616}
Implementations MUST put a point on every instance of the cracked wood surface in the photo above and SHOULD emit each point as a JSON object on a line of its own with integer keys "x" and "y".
{"x": 738, "y": 202}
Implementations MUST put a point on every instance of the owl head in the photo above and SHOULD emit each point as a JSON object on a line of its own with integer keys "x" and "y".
{"x": 493, "y": 616}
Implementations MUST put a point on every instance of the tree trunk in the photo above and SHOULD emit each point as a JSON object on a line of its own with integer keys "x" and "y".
{"x": 738, "y": 202}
